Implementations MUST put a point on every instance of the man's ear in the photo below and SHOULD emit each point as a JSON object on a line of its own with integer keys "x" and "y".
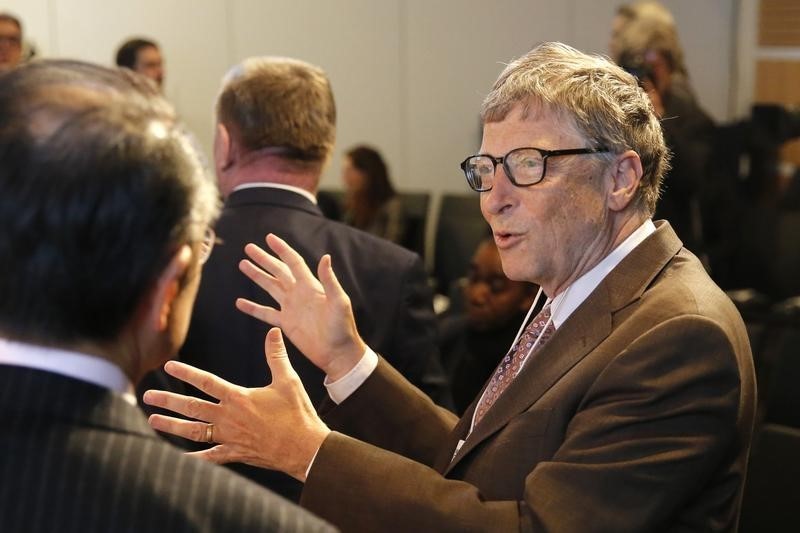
{"x": 223, "y": 151}
{"x": 168, "y": 287}
{"x": 626, "y": 174}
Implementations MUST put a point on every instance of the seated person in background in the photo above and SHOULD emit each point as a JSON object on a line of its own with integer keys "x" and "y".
{"x": 105, "y": 211}
{"x": 627, "y": 404}
{"x": 142, "y": 56}
{"x": 10, "y": 41}
{"x": 475, "y": 338}
{"x": 370, "y": 202}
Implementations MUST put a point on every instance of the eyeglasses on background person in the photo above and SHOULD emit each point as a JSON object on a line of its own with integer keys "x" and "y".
{"x": 207, "y": 244}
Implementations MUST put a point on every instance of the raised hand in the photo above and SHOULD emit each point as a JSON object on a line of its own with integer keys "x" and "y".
{"x": 273, "y": 427}
{"x": 315, "y": 314}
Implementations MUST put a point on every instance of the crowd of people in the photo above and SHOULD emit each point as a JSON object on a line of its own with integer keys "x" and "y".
{"x": 589, "y": 374}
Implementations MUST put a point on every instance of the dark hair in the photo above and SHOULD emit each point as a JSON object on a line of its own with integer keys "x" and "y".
{"x": 100, "y": 186}
{"x": 127, "y": 53}
{"x": 377, "y": 190}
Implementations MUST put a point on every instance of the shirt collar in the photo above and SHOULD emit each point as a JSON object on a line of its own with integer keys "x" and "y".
{"x": 89, "y": 368}
{"x": 269, "y": 185}
{"x": 565, "y": 303}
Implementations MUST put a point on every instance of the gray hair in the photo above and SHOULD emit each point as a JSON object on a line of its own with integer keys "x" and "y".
{"x": 603, "y": 102}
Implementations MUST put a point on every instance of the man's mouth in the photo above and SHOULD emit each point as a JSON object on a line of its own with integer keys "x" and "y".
{"x": 505, "y": 240}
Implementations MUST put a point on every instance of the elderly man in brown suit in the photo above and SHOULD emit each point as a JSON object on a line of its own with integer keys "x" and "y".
{"x": 626, "y": 404}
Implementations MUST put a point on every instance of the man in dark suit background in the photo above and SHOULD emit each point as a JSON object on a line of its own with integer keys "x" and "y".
{"x": 105, "y": 210}
{"x": 627, "y": 404}
{"x": 276, "y": 127}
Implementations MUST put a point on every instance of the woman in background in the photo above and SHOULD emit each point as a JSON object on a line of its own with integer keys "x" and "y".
{"x": 371, "y": 203}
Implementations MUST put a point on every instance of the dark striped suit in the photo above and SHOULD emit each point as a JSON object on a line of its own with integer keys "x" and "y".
{"x": 77, "y": 457}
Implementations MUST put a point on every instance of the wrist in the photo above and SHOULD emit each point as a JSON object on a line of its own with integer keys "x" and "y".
{"x": 343, "y": 363}
{"x": 316, "y": 437}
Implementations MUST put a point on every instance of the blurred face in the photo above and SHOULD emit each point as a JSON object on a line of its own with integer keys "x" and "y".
{"x": 352, "y": 178}
{"x": 10, "y": 45}
{"x": 491, "y": 299}
{"x": 615, "y": 43}
{"x": 553, "y": 232}
{"x": 150, "y": 64}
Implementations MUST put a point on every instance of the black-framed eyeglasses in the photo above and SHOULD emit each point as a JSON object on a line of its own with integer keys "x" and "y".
{"x": 206, "y": 245}
{"x": 524, "y": 166}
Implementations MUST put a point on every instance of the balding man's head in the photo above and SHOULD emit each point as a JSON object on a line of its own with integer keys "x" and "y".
{"x": 101, "y": 185}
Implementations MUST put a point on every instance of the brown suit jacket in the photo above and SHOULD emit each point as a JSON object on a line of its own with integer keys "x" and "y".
{"x": 636, "y": 416}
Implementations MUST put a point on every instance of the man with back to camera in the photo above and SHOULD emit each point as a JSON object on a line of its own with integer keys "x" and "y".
{"x": 106, "y": 212}
{"x": 276, "y": 128}
{"x": 144, "y": 57}
{"x": 628, "y": 403}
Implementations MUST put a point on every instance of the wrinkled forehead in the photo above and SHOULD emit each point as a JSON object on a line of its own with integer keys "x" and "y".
{"x": 533, "y": 108}
{"x": 560, "y": 121}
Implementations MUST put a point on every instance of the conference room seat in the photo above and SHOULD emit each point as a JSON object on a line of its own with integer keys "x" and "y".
{"x": 772, "y": 491}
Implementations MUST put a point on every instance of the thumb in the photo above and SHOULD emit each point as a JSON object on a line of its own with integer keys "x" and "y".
{"x": 277, "y": 357}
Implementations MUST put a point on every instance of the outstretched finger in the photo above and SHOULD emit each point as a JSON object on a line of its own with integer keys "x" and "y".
{"x": 188, "y": 429}
{"x": 214, "y": 386}
{"x": 263, "y": 279}
{"x": 293, "y": 260}
{"x": 277, "y": 358}
{"x": 178, "y": 403}
{"x": 219, "y": 454}
{"x": 264, "y": 313}
{"x": 271, "y": 264}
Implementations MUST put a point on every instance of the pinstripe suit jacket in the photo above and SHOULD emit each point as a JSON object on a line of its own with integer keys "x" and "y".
{"x": 77, "y": 457}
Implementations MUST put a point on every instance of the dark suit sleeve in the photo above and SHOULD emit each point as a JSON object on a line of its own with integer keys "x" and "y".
{"x": 654, "y": 424}
{"x": 413, "y": 345}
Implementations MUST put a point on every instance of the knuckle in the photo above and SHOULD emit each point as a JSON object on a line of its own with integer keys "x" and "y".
{"x": 193, "y": 407}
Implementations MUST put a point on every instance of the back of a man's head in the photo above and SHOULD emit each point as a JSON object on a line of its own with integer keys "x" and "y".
{"x": 101, "y": 186}
{"x": 280, "y": 105}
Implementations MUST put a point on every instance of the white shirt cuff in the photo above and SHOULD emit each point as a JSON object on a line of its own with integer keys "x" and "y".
{"x": 343, "y": 387}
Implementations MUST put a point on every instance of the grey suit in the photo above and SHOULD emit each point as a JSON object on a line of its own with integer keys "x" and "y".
{"x": 77, "y": 457}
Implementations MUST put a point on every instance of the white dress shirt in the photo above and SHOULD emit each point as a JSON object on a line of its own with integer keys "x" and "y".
{"x": 89, "y": 368}
{"x": 269, "y": 185}
{"x": 562, "y": 307}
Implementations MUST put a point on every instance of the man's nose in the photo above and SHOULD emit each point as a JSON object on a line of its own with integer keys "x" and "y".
{"x": 499, "y": 198}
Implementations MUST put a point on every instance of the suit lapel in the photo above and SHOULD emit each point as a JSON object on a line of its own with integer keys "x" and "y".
{"x": 582, "y": 332}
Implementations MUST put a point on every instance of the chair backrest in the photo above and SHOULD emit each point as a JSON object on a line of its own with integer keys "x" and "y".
{"x": 331, "y": 203}
{"x": 782, "y": 387}
{"x": 459, "y": 230}
{"x": 772, "y": 490}
{"x": 415, "y": 209}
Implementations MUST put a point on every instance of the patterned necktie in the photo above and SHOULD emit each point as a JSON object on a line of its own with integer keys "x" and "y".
{"x": 508, "y": 368}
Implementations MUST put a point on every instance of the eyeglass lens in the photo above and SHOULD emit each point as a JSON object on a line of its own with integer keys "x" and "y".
{"x": 524, "y": 166}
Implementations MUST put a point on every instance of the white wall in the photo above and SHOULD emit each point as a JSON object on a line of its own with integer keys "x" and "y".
{"x": 408, "y": 75}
